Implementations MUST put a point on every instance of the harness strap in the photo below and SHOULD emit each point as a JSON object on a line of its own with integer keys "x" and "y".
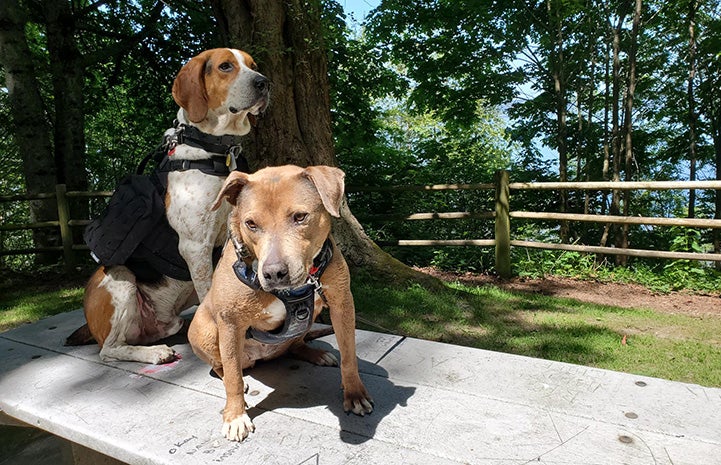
{"x": 194, "y": 137}
{"x": 299, "y": 302}
{"x": 224, "y": 153}
{"x": 215, "y": 165}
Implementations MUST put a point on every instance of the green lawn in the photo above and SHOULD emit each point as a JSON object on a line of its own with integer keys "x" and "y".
{"x": 640, "y": 341}
{"x": 25, "y": 305}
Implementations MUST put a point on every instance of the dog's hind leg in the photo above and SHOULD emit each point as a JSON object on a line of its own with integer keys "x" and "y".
{"x": 127, "y": 326}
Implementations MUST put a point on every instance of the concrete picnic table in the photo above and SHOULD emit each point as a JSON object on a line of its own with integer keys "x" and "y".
{"x": 434, "y": 404}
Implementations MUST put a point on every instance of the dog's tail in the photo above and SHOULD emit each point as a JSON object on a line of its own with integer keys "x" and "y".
{"x": 80, "y": 337}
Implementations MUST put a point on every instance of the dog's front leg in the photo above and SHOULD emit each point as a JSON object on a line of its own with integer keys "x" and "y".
{"x": 342, "y": 316}
{"x": 236, "y": 422}
{"x": 199, "y": 257}
{"x": 199, "y": 229}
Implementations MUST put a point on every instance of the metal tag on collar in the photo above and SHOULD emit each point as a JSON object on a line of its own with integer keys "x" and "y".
{"x": 231, "y": 159}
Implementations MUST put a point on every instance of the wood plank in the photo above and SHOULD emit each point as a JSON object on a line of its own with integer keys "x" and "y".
{"x": 613, "y": 185}
{"x": 686, "y": 222}
{"x": 618, "y": 251}
{"x": 430, "y": 216}
{"x": 431, "y": 242}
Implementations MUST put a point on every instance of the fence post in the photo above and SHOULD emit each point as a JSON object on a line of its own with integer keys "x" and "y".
{"x": 66, "y": 233}
{"x": 503, "y": 224}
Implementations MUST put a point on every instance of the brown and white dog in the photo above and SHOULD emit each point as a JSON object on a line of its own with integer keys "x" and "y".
{"x": 282, "y": 221}
{"x": 217, "y": 92}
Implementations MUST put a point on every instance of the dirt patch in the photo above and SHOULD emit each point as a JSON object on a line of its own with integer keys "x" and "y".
{"x": 603, "y": 293}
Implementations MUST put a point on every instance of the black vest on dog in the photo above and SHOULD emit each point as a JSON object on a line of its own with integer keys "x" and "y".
{"x": 133, "y": 230}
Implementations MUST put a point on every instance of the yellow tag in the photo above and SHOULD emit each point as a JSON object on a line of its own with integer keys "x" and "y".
{"x": 227, "y": 160}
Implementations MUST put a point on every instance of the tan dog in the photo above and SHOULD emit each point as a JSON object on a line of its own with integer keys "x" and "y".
{"x": 281, "y": 219}
{"x": 132, "y": 304}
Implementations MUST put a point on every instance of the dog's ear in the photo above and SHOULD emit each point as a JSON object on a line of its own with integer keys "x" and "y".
{"x": 328, "y": 181}
{"x": 231, "y": 189}
{"x": 189, "y": 88}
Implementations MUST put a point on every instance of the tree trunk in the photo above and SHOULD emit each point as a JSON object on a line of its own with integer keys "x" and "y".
{"x": 628, "y": 122}
{"x": 606, "y": 138}
{"x": 693, "y": 6}
{"x": 615, "y": 207}
{"x": 68, "y": 74}
{"x": 286, "y": 41}
{"x": 32, "y": 130}
{"x": 714, "y": 115}
{"x": 589, "y": 148}
{"x": 559, "y": 83}
{"x": 67, "y": 77}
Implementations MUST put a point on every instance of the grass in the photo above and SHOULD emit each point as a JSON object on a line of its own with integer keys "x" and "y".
{"x": 21, "y": 305}
{"x": 639, "y": 341}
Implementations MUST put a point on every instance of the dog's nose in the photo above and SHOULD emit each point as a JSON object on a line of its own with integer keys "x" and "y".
{"x": 276, "y": 274}
{"x": 261, "y": 83}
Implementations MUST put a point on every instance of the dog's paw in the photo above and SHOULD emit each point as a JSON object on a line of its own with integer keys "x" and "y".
{"x": 357, "y": 401}
{"x": 238, "y": 428}
{"x": 161, "y": 354}
{"x": 314, "y": 356}
{"x": 326, "y": 359}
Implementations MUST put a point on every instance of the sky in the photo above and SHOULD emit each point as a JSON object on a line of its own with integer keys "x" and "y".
{"x": 358, "y": 8}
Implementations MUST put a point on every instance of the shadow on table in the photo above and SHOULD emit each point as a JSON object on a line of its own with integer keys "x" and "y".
{"x": 299, "y": 385}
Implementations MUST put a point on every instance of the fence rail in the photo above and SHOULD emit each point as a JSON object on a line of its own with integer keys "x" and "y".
{"x": 502, "y": 216}
{"x": 502, "y": 233}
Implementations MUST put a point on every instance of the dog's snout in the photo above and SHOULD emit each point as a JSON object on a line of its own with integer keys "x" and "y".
{"x": 276, "y": 274}
{"x": 261, "y": 83}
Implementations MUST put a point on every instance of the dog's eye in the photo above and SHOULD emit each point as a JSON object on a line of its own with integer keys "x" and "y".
{"x": 300, "y": 217}
{"x": 250, "y": 224}
{"x": 225, "y": 66}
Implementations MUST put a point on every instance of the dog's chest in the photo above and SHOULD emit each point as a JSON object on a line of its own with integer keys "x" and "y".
{"x": 274, "y": 313}
{"x": 189, "y": 198}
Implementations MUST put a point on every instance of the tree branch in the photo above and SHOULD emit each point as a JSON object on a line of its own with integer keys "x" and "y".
{"x": 122, "y": 46}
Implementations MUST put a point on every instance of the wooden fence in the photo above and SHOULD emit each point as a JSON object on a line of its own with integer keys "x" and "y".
{"x": 502, "y": 215}
{"x": 64, "y": 222}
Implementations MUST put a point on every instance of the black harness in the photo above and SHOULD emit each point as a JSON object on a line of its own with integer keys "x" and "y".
{"x": 224, "y": 154}
{"x": 133, "y": 230}
{"x": 299, "y": 302}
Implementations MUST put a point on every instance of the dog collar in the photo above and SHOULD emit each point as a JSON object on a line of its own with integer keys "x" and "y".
{"x": 190, "y": 135}
{"x": 299, "y": 302}
{"x": 224, "y": 154}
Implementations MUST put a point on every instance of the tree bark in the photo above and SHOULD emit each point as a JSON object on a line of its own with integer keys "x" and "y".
{"x": 559, "y": 82}
{"x": 67, "y": 76}
{"x": 713, "y": 111}
{"x": 285, "y": 39}
{"x": 628, "y": 122}
{"x": 31, "y": 126}
{"x": 692, "y": 118}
